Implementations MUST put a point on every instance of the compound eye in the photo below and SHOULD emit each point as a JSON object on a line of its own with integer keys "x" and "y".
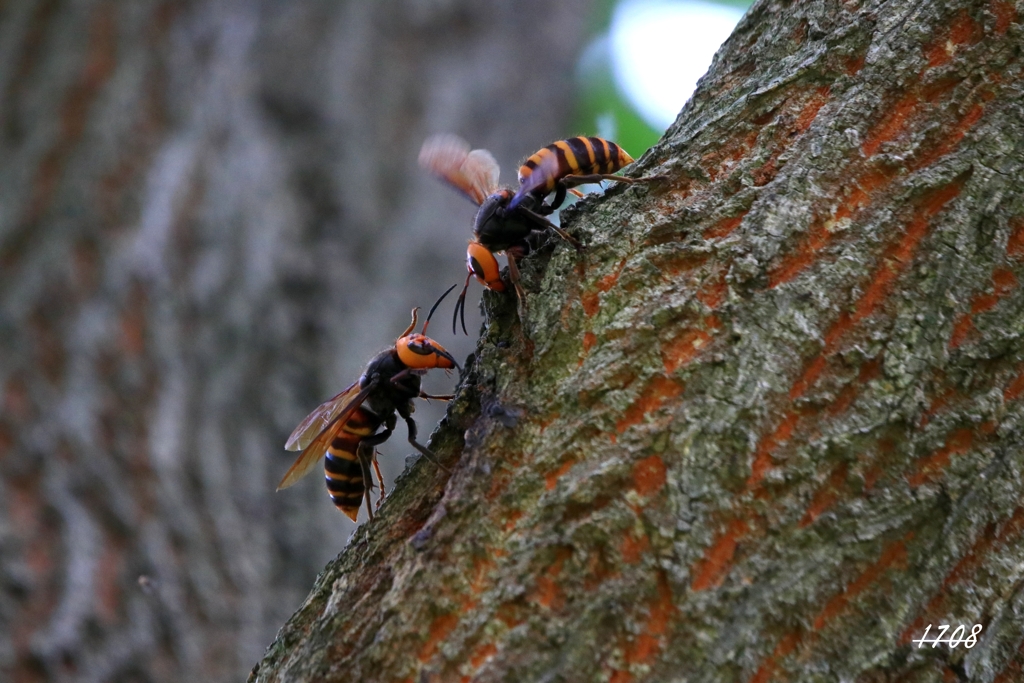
{"x": 476, "y": 269}
{"x": 420, "y": 348}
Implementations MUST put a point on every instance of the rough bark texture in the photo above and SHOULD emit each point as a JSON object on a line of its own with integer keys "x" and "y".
{"x": 769, "y": 425}
{"x": 210, "y": 219}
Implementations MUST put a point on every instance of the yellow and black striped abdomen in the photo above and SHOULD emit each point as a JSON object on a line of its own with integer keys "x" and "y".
{"x": 344, "y": 474}
{"x": 574, "y": 156}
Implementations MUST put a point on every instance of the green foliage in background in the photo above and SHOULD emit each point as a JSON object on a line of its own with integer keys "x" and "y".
{"x": 600, "y": 100}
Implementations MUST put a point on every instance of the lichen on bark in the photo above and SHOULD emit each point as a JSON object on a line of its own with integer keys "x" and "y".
{"x": 768, "y": 425}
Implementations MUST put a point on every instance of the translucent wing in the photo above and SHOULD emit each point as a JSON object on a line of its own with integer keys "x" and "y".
{"x": 315, "y": 433}
{"x": 309, "y": 458}
{"x": 474, "y": 173}
{"x": 318, "y": 420}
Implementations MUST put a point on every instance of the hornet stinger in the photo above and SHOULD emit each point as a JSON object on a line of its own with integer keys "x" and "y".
{"x": 343, "y": 430}
{"x": 507, "y": 219}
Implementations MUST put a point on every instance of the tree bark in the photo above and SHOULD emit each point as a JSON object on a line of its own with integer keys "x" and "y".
{"x": 768, "y": 426}
{"x": 210, "y": 219}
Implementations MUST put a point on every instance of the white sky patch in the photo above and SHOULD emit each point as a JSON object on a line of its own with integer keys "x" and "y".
{"x": 660, "y": 48}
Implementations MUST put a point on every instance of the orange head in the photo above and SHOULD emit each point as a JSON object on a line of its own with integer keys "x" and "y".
{"x": 418, "y": 351}
{"x": 481, "y": 263}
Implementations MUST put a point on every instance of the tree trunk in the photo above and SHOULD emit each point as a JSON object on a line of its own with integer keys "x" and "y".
{"x": 210, "y": 219}
{"x": 768, "y": 426}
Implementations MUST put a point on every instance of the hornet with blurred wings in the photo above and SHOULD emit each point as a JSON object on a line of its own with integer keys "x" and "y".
{"x": 507, "y": 219}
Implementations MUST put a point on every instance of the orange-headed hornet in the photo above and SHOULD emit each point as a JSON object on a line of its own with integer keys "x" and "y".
{"x": 345, "y": 427}
{"x": 506, "y": 218}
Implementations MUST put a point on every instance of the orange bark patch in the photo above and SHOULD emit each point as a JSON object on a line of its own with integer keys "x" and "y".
{"x": 819, "y": 234}
{"x": 868, "y": 372}
{"x": 482, "y": 654}
{"x": 547, "y": 593}
{"x": 440, "y": 628}
{"x": 766, "y": 672}
{"x": 1003, "y": 282}
{"x": 512, "y": 518}
{"x": 895, "y": 555}
{"x": 712, "y": 294}
{"x": 608, "y": 281}
{"x": 1015, "y": 244}
{"x": 653, "y": 396}
{"x": 676, "y": 263}
{"x": 962, "y": 31}
{"x": 546, "y": 422}
{"x": 803, "y": 120}
{"x": 929, "y": 467}
{"x": 589, "y": 339}
{"x": 1005, "y": 13}
{"x": 649, "y": 642}
{"x": 711, "y": 571}
{"x": 649, "y": 475}
{"x": 108, "y": 581}
{"x": 133, "y": 323}
{"x": 817, "y": 237}
{"x": 827, "y": 496}
{"x": 1014, "y": 389}
{"x": 940, "y": 401}
{"x": 724, "y": 227}
{"x": 551, "y": 478}
{"x": 509, "y": 614}
{"x": 591, "y": 302}
{"x": 597, "y": 572}
{"x": 660, "y": 611}
{"x": 763, "y": 456}
{"x": 810, "y": 111}
{"x": 892, "y": 123}
{"x": 764, "y": 175}
{"x": 730, "y": 150}
{"x": 17, "y": 403}
{"x": 499, "y": 482}
{"x": 686, "y": 346}
{"x": 633, "y": 547}
{"x": 961, "y": 329}
{"x": 6, "y": 440}
{"x": 1014, "y": 670}
{"x": 951, "y": 139}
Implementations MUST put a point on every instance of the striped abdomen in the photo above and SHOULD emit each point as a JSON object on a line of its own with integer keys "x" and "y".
{"x": 345, "y": 482}
{"x": 575, "y": 156}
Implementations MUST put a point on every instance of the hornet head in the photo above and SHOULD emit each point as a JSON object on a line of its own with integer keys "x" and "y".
{"x": 418, "y": 351}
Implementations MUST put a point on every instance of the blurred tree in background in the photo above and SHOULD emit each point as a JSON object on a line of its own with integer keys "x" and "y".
{"x": 210, "y": 218}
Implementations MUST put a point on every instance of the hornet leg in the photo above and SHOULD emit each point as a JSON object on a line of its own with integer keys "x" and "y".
{"x": 367, "y": 454}
{"x": 443, "y": 397}
{"x": 411, "y": 424}
{"x": 574, "y": 180}
{"x": 513, "y": 275}
{"x": 560, "y": 189}
{"x": 545, "y": 224}
{"x": 380, "y": 480}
